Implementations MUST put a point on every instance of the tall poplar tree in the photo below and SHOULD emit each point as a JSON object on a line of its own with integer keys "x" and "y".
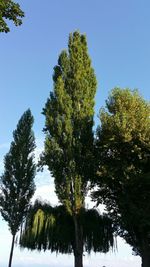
{"x": 69, "y": 135}
{"x": 17, "y": 184}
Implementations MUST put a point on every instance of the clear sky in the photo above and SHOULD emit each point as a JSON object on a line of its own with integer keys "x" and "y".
{"x": 119, "y": 45}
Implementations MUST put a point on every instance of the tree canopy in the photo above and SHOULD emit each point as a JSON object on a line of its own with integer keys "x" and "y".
{"x": 52, "y": 228}
{"x": 9, "y": 10}
{"x": 123, "y": 160}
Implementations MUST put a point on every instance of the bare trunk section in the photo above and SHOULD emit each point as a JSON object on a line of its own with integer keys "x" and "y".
{"x": 146, "y": 257}
{"x": 78, "y": 262}
{"x": 146, "y": 261}
{"x": 78, "y": 250}
{"x": 11, "y": 251}
{"x": 145, "y": 252}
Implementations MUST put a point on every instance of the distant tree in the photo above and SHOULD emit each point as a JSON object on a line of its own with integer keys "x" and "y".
{"x": 9, "y": 11}
{"x": 123, "y": 160}
{"x": 52, "y": 228}
{"x": 69, "y": 135}
{"x": 17, "y": 184}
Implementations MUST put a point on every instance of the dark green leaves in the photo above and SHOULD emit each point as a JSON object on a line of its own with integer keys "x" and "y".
{"x": 123, "y": 160}
{"x": 52, "y": 228}
{"x": 17, "y": 185}
{"x": 9, "y": 11}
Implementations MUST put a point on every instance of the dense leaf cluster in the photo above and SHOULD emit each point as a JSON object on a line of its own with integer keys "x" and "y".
{"x": 123, "y": 160}
{"x": 52, "y": 228}
{"x": 69, "y": 120}
{"x": 9, "y": 11}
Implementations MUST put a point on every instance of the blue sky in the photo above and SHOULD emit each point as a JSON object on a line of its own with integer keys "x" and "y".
{"x": 118, "y": 40}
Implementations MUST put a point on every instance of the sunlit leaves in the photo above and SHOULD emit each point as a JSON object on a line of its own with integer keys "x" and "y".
{"x": 69, "y": 120}
{"x": 52, "y": 228}
{"x": 123, "y": 161}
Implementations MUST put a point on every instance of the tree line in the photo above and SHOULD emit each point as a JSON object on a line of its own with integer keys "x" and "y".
{"x": 113, "y": 163}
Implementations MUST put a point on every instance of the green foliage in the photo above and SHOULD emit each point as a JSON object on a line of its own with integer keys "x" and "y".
{"x": 9, "y": 11}
{"x": 17, "y": 185}
{"x": 69, "y": 120}
{"x": 123, "y": 160}
{"x": 69, "y": 156}
{"x": 52, "y": 228}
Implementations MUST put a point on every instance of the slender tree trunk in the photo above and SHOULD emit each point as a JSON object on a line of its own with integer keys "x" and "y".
{"x": 11, "y": 251}
{"x": 145, "y": 252}
{"x": 78, "y": 250}
{"x": 146, "y": 258}
{"x": 78, "y": 262}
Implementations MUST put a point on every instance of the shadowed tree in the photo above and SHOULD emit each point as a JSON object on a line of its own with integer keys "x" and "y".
{"x": 9, "y": 11}
{"x": 69, "y": 136}
{"x": 17, "y": 185}
{"x": 52, "y": 228}
{"x": 123, "y": 160}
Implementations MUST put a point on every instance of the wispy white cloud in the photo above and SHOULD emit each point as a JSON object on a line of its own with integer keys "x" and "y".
{"x": 46, "y": 193}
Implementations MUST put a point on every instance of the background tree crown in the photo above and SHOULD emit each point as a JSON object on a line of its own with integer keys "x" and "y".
{"x": 123, "y": 160}
{"x": 17, "y": 184}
